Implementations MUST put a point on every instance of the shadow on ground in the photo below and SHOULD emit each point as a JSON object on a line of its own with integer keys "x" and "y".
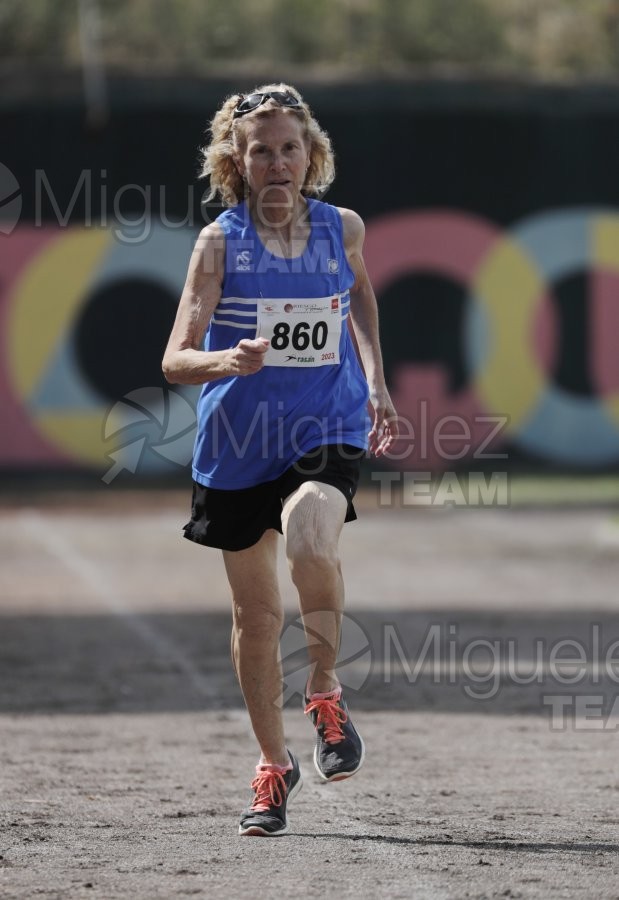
{"x": 514, "y": 845}
{"x": 180, "y": 662}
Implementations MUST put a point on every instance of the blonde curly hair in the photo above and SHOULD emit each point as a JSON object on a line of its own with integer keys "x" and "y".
{"x": 227, "y": 135}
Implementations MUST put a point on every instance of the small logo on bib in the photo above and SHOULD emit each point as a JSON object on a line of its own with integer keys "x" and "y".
{"x": 333, "y": 266}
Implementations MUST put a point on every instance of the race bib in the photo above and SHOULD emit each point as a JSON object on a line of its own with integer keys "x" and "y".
{"x": 301, "y": 333}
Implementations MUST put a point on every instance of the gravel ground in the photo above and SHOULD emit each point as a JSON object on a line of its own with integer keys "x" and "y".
{"x": 126, "y": 754}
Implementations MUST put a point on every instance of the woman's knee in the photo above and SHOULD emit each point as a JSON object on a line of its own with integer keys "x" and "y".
{"x": 310, "y": 558}
{"x": 312, "y": 520}
{"x": 252, "y": 617}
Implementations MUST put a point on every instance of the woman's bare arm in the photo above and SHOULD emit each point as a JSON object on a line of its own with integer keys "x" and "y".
{"x": 184, "y": 362}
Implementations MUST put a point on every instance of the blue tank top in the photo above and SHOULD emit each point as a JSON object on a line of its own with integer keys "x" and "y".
{"x": 252, "y": 428}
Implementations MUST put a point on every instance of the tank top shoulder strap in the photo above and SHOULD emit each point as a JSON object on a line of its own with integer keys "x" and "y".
{"x": 234, "y": 221}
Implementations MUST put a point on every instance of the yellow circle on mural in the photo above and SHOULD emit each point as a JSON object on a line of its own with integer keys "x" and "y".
{"x": 44, "y": 304}
{"x": 509, "y": 286}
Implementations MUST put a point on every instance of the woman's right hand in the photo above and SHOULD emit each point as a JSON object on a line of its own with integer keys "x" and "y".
{"x": 247, "y": 357}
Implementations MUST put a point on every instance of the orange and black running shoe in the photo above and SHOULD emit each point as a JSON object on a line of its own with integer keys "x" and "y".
{"x": 273, "y": 788}
{"x": 339, "y": 750}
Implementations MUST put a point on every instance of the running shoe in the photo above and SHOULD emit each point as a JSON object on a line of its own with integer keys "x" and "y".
{"x": 339, "y": 749}
{"x": 266, "y": 815}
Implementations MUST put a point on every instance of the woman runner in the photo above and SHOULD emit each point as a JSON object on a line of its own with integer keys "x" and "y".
{"x": 283, "y": 418}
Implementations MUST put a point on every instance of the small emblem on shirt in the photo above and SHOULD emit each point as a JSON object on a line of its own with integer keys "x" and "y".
{"x": 243, "y": 261}
{"x": 333, "y": 266}
{"x": 334, "y": 303}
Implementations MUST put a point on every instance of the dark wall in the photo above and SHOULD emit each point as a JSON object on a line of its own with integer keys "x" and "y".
{"x": 527, "y": 168}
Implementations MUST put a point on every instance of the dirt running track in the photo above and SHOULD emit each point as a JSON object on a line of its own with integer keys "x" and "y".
{"x": 125, "y": 752}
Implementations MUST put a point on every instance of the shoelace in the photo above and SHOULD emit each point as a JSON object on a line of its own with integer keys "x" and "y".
{"x": 331, "y": 716}
{"x": 270, "y": 789}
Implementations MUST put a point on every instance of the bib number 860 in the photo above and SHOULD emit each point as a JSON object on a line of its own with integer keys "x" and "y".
{"x": 301, "y": 337}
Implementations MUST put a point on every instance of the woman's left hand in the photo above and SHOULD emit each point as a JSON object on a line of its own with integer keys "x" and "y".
{"x": 385, "y": 429}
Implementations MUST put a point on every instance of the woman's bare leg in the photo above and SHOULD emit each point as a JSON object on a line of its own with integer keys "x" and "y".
{"x": 257, "y": 623}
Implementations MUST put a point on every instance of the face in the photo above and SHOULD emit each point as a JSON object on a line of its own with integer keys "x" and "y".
{"x": 275, "y": 156}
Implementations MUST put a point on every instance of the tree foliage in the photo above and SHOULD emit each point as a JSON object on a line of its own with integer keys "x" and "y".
{"x": 549, "y": 39}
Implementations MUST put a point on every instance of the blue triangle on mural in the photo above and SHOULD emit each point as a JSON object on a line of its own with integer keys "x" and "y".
{"x": 62, "y": 387}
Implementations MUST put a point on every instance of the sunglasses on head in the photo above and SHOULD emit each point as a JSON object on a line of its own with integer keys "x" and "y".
{"x": 253, "y": 101}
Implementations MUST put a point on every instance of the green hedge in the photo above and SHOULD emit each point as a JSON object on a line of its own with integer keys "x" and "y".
{"x": 543, "y": 38}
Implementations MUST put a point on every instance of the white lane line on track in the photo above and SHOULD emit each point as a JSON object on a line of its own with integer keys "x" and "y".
{"x": 101, "y": 585}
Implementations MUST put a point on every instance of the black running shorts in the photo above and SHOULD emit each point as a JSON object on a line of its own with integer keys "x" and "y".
{"x": 235, "y": 520}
